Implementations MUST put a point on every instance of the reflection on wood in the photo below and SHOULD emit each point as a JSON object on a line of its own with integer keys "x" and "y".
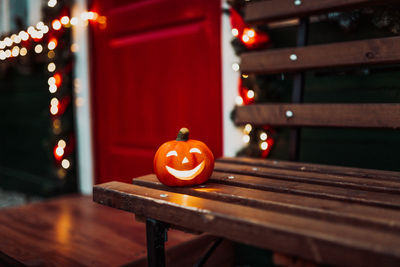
{"x": 73, "y": 231}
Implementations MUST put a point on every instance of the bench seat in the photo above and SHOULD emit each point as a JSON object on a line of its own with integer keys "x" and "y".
{"x": 329, "y": 215}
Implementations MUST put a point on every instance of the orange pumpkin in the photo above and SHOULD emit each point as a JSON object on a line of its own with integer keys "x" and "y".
{"x": 183, "y": 162}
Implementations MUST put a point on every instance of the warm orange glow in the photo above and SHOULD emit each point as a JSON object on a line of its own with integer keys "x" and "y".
{"x": 248, "y": 36}
{"x": 206, "y": 189}
{"x": 102, "y": 20}
{"x": 57, "y": 79}
{"x": 63, "y": 226}
{"x": 56, "y": 24}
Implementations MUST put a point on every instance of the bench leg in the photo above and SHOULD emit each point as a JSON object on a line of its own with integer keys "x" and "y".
{"x": 156, "y": 233}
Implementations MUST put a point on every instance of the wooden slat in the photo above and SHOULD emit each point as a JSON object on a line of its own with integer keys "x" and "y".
{"x": 272, "y": 10}
{"x": 317, "y": 208}
{"x": 321, "y": 115}
{"x": 345, "y": 54}
{"x": 311, "y": 167}
{"x": 320, "y": 241}
{"x": 312, "y": 190}
{"x": 353, "y": 182}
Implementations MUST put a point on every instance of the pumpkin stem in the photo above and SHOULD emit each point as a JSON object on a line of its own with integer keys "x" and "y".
{"x": 183, "y": 134}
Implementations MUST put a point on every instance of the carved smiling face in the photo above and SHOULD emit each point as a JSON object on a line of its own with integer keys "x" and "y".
{"x": 183, "y": 162}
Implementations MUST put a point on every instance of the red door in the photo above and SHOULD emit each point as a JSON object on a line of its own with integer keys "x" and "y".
{"x": 156, "y": 68}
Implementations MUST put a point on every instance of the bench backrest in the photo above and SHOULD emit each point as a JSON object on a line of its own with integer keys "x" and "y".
{"x": 303, "y": 58}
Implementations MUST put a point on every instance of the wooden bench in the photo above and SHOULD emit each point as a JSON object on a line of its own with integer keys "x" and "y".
{"x": 327, "y": 214}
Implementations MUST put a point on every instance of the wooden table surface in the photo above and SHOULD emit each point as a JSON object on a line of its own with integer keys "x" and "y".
{"x": 73, "y": 231}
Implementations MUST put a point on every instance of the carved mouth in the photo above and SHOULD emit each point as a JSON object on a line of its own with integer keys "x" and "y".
{"x": 186, "y": 175}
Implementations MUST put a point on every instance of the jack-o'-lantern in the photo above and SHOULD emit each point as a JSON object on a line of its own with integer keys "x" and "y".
{"x": 183, "y": 162}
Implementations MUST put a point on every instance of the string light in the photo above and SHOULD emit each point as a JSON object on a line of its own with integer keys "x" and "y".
{"x": 52, "y": 88}
{"x": 235, "y": 32}
{"x": 248, "y": 128}
{"x": 264, "y": 145}
{"x": 56, "y": 24}
{"x": 42, "y": 29}
{"x": 246, "y": 138}
{"x": 74, "y": 47}
{"x": 54, "y": 106}
{"x": 50, "y": 54}
{"x": 52, "y": 3}
{"x": 250, "y": 94}
{"x": 59, "y": 151}
{"x": 8, "y": 41}
{"x": 64, "y": 20}
{"x": 2, "y": 55}
{"x": 51, "y": 67}
{"x": 74, "y": 21}
{"x": 54, "y": 101}
{"x": 23, "y": 51}
{"x": 38, "y": 48}
{"x": 235, "y": 66}
{"x": 52, "y": 44}
{"x": 15, "y": 51}
{"x": 263, "y": 136}
{"x": 40, "y": 25}
{"x": 53, "y": 110}
{"x": 62, "y": 143}
{"x": 15, "y": 38}
{"x": 23, "y": 35}
{"x": 51, "y": 81}
{"x": 65, "y": 163}
{"x": 239, "y": 100}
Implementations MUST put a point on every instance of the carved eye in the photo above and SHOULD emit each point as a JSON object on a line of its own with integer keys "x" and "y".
{"x": 172, "y": 153}
{"x": 195, "y": 150}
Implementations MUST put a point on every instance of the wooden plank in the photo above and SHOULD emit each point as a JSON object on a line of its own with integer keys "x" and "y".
{"x": 321, "y": 115}
{"x": 344, "y": 54}
{"x": 322, "y": 209}
{"x": 73, "y": 231}
{"x": 311, "y": 167}
{"x": 312, "y": 190}
{"x": 319, "y": 241}
{"x": 353, "y": 182}
{"x": 272, "y": 10}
